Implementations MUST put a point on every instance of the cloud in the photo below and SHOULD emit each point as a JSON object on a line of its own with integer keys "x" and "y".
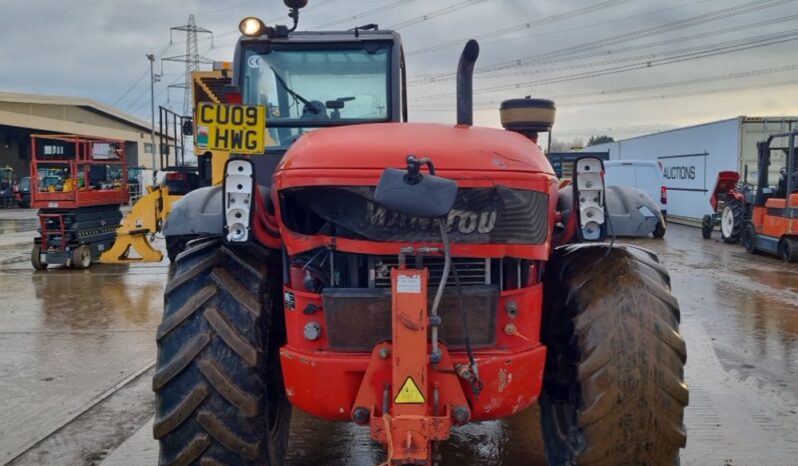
{"x": 97, "y": 48}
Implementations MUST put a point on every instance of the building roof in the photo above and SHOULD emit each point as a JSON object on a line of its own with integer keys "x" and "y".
{"x": 741, "y": 118}
{"x": 82, "y": 102}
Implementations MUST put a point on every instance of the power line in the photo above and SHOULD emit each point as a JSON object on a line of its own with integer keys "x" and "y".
{"x": 618, "y": 51}
{"x": 521, "y": 27}
{"x": 435, "y": 14}
{"x": 705, "y": 18}
{"x": 549, "y": 34}
{"x": 677, "y": 57}
{"x": 684, "y": 94}
{"x": 649, "y": 87}
{"x": 136, "y": 82}
{"x": 373, "y": 11}
{"x": 759, "y": 86}
{"x": 226, "y": 8}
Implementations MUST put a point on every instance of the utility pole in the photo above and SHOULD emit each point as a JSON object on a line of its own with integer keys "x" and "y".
{"x": 192, "y": 60}
{"x": 151, "y": 58}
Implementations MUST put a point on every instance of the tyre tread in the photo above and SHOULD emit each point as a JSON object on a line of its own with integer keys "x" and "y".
{"x": 629, "y": 357}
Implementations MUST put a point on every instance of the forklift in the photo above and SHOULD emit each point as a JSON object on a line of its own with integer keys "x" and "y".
{"x": 773, "y": 226}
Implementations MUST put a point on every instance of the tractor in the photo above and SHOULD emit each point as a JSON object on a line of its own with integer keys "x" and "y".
{"x": 731, "y": 203}
{"x": 406, "y": 277}
{"x": 773, "y": 226}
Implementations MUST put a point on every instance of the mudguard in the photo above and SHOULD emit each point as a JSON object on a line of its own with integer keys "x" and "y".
{"x": 197, "y": 213}
{"x": 631, "y": 212}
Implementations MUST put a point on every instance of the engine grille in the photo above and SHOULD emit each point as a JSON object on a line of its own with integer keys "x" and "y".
{"x": 359, "y": 318}
{"x": 472, "y": 272}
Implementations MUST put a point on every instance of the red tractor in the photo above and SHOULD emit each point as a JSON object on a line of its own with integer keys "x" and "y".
{"x": 406, "y": 300}
{"x": 731, "y": 207}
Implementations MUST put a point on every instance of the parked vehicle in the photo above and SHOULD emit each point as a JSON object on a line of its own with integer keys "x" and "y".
{"x": 731, "y": 203}
{"x": 774, "y": 219}
{"x": 24, "y": 192}
{"x": 644, "y": 175}
{"x": 691, "y": 157}
{"x": 405, "y": 300}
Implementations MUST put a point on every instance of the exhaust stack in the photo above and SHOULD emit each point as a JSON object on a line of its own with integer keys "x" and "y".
{"x": 465, "y": 83}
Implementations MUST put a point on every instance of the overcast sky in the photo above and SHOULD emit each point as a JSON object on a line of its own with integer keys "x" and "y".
{"x": 684, "y": 69}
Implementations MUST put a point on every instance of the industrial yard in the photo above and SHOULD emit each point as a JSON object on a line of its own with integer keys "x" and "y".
{"x": 399, "y": 233}
{"x": 92, "y": 403}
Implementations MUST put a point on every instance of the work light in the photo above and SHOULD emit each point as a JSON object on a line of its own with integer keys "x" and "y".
{"x": 252, "y": 27}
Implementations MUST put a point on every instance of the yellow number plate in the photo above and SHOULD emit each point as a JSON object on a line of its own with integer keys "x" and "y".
{"x": 240, "y": 129}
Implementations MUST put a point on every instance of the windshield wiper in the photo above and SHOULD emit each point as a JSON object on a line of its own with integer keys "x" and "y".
{"x": 290, "y": 91}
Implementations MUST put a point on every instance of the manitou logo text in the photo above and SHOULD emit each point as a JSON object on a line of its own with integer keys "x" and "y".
{"x": 464, "y": 221}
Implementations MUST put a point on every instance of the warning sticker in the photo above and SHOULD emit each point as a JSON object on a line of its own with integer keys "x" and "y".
{"x": 409, "y": 393}
{"x": 408, "y": 284}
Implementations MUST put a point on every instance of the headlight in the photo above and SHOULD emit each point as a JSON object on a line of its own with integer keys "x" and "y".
{"x": 252, "y": 27}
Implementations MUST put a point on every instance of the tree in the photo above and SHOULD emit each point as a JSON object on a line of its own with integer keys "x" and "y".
{"x": 596, "y": 140}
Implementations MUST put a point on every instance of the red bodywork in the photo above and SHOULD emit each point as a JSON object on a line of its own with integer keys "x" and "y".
{"x": 726, "y": 185}
{"x": 79, "y": 166}
{"x": 331, "y": 384}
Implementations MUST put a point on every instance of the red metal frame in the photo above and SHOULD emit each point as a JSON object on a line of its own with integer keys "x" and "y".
{"x": 46, "y": 232}
{"x": 83, "y": 159}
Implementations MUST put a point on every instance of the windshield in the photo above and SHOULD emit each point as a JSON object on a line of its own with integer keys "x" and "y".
{"x": 304, "y": 89}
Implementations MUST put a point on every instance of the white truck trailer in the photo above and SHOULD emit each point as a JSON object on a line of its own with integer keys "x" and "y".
{"x": 692, "y": 157}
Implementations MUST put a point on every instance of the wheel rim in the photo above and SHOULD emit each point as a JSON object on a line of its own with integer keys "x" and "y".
{"x": 84, "y": 256}
{"x": 727, "y": 221}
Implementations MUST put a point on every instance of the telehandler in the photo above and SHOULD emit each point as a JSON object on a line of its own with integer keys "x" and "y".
{"x": 405, "y": 277}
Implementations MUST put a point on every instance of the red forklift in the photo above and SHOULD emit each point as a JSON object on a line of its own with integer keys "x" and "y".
{"x": 774, "y": 220}
{"x": 78, "y": 184}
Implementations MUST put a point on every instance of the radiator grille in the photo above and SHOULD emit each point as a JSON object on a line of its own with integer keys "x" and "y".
{"x": 357, "y": 319}
{"x": 472, "y": 272}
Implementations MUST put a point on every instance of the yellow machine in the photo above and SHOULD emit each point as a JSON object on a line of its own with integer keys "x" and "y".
{"x": 151, "y": 210}
{"x": 209, "y": 88}
{"x": 144, "y": 220}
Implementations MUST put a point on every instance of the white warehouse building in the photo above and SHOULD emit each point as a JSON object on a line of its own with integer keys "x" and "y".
{"x": 691, "y": 157}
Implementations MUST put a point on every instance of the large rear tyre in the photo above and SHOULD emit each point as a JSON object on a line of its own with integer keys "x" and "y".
{"x": 707, "y": 225}
{"x": 788, "y": 249}
{"x": 732, "y": 220}
{"x": 220, "y": 396}
{"x": 177, "y": 244}
{"x": 36, "y": 258}
{"x": 613, "y": 390}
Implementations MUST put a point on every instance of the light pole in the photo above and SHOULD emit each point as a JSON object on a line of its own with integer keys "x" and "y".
{"x": 151, "y": 58}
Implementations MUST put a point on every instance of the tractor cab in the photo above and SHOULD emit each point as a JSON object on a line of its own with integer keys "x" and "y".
{"x": 774, "y": 221}
{"x": 312, "y": 80}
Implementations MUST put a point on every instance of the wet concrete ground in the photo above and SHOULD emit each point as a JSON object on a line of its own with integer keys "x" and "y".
{"x": 76, "y": 353}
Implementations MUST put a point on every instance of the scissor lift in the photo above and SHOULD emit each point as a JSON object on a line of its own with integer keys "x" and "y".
{"x": 78, "y": 184}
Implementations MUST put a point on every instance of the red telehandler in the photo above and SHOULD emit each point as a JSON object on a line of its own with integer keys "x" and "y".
{"x": 405, "y": 277}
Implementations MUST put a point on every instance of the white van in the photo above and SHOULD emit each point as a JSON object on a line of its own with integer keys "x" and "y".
{"x": 644, "y": 175}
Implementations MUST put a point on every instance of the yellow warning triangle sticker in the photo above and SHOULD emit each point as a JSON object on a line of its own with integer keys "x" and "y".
{"x": 409, "y": 393}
